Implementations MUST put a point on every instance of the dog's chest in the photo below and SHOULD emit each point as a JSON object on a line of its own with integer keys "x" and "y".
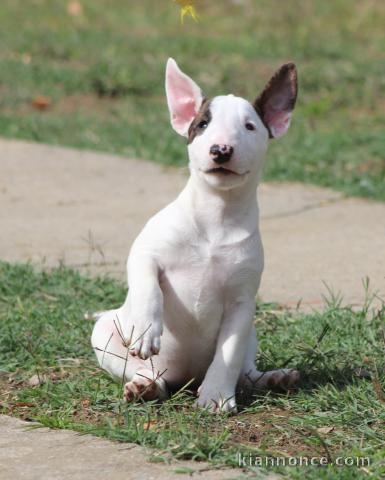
{"x": 204, "y": 276}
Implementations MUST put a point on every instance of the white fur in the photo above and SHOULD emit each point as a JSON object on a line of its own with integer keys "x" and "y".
{"x": 194, "y": 270}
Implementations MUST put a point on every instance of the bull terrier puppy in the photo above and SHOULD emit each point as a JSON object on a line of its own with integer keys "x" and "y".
{"x": 194, "y": 270}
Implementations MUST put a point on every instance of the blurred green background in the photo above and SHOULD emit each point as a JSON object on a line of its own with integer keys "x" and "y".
{"x": 99, "y": 64}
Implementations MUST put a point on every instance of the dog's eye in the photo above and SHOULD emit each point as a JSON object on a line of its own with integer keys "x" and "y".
{"x": 249, "y": 126}
{"x": 203, "y": 124}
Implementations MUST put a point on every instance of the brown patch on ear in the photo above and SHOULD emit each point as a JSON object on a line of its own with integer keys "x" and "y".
{"x": 203, "y": 115}
{"x": 279, "y": 95}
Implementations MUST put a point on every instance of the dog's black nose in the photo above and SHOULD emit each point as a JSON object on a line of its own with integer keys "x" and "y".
{"x": 221, "y": 153}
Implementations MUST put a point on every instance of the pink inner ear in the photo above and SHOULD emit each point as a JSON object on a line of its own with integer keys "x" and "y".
{"x": 184, "y": 98}
{"x": 183, "y": 112}
{"x": 278, "y": 122}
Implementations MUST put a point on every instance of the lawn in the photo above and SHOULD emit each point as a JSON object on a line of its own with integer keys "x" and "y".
{"x": 101, "y": 67}
{"x": 48, "y": 373}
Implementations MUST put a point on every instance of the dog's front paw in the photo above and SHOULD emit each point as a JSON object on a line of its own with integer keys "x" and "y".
{"x": 145, "y": 342}
{"x": 142, "y": 341}
{"x": 216, "y": 400}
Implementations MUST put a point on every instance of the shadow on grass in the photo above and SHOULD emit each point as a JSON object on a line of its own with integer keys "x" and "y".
{"x": 311, "y": 381}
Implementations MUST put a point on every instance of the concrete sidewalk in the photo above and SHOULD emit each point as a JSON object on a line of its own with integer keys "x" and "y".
{"x": 44, "y": 454}
{"x": 86, "y": 208}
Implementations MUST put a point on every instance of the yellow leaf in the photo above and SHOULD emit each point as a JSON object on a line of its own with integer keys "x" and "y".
{"x": 188, "y": 8}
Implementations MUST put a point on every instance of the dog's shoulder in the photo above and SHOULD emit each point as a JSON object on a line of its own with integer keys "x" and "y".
{"x": 166, "y": 230}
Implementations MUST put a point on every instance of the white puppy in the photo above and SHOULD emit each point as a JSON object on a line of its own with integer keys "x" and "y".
{"x": 194, "y": 270}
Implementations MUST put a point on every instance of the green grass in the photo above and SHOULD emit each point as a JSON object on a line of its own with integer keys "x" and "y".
{"x": 339, "y": 409}
{"x": 103, "y": 71}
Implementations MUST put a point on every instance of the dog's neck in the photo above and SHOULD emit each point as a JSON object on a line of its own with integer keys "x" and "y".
{"x": 220, "y": 213}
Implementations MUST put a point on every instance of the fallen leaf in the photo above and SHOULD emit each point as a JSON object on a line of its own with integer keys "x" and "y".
{"x": 75, "y": 361}
{"x": 325, "y": 429}
{"x": 26, "y": 58}
{"x": 23, "y": 404}
{"x": 378, "y": 389}
{"x": 41, "y": 102}
{"x": 75, "y": 9}
{"x": 36, "y": 380}
{"x": 149, "y": 425}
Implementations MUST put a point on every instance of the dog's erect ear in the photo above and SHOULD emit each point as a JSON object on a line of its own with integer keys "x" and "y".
{"x": 276, "y": 103}
{"x": 184, "y": 98}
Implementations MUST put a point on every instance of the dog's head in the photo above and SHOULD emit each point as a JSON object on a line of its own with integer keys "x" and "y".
{"x": 227, "y": 135}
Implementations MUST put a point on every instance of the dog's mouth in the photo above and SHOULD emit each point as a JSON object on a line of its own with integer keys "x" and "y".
{"x": 221, "y": 171}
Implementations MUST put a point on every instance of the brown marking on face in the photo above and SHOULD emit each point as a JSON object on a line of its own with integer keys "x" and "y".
{"x": 280, "y": 94}
{"x": 203, "y": 115}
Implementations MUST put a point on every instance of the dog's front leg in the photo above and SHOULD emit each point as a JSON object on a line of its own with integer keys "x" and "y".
{"x": 217, "y": 392}
{"x": 141, "y": 315}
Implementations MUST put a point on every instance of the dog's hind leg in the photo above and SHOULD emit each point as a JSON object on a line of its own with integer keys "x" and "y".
{"x": 141, "y": 379}
{"x": 280, "y": 379}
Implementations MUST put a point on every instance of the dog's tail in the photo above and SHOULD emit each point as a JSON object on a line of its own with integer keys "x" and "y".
{"x": 93, "y": 316}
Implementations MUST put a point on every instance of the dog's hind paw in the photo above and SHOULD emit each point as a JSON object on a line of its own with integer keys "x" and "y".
{"x": 144, "y": 386}
{"x": 280, "y": 380}
{"x": 283, "y": 379}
